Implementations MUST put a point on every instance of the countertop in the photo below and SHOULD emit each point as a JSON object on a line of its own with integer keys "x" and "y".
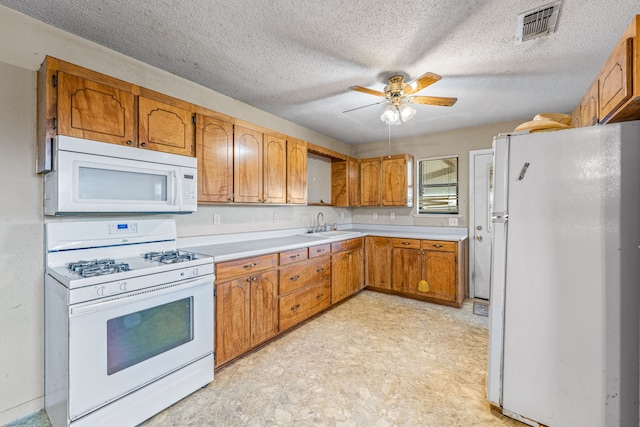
{"x": 242, "y": 245}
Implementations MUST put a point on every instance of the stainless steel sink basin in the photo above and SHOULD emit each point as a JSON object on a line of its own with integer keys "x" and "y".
{"x": 334, "y": 233}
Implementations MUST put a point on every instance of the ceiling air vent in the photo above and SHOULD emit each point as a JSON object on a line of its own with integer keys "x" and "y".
{"x": 538, "y": 22}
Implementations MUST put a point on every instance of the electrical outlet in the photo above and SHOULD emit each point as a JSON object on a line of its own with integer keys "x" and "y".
{"x": 216, "y": 219}
{"x": 375, "y": 215}
{"x": 392, "y": 215}
{"x": 341, "y": 215}
{"x": 275, "y": 217}
{"x": 453, "y": 221}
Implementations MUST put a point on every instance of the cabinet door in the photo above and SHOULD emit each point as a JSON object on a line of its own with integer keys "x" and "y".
{"x": 274, "y": 170}
{"x": 353, "y": 181}
{"x": 233, "y": 331}
{"x": 340, "y": 275}
{"x": 296, "y": 172}
{"x": 91, "y": 110}
{"x": 394, "y": 182}
{"x": 615, "y": 80}
{"x": 407, "y": 270}
{"x": 247, "y": 170}
{"x": 378, "y": 255}
{"x": 214, "y": 143}
{"x": 264, "y": 306}
{"x": 589, "y": 106}
{"x": 357, "y": 270}
{"x": 164, "y": 127}
{"x": 370, "y": 182}
{"x": 440, "y": 274}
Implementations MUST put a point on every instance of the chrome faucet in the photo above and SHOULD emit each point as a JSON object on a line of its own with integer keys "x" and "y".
{"x": 318, "y": 228}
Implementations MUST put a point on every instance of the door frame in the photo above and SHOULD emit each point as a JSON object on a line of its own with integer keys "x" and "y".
{"x": 472, "y": 207}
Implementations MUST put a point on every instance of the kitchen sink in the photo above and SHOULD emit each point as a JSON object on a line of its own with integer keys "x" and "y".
{"x": 334, "y": 233}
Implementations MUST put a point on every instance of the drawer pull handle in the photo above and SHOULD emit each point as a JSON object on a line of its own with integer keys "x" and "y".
{"x": 319, "y": 250}
{"x": 406, "y": 243}
{"x": 248, "y": 266}
{"x": 319, "y": 296}
{"x": 320, "y": 270}
{"x": 294, "y": 256}
{"x": 252, "y": 279}
{"x": 437, "y": 246}
{"x": 295, "y": 307}
{"x": 294, "y": 278}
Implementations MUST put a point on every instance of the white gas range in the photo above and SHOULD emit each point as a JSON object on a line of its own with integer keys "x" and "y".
{"x": 128, "y": 321}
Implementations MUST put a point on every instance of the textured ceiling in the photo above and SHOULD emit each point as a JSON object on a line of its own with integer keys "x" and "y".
{"x": 296, "y": 58}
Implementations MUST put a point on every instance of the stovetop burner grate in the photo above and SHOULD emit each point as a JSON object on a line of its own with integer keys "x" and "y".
{"x": 169, "y": 257}
{"x": 97, "y": 267}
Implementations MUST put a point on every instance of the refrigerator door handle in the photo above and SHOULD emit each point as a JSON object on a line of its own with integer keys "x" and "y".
{"x": 499, "y": 217}
{"x": 523, "y": 171}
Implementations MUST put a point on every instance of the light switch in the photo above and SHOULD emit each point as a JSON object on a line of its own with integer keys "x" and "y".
{"x": 216, "y": 219}
{"x": 453, "y": 221}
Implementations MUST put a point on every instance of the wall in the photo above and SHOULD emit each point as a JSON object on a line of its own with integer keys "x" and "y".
{"x": 458, "y": 142}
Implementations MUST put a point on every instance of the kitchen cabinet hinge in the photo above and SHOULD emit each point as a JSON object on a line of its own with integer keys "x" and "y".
{"x": 54, "y": 80}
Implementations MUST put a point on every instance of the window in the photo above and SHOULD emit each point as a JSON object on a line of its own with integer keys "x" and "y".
{"x": 438, "y": 186}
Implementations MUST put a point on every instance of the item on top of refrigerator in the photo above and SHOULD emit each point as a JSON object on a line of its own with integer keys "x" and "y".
{"x": 546, "y": 122}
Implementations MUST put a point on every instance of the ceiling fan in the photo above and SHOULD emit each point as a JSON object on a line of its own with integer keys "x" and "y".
{"x": 399, "y": 94}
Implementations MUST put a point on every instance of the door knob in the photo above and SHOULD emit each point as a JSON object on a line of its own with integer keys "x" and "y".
{"x": 479, "y": 238}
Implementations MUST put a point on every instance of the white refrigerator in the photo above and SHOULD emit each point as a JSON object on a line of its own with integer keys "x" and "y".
{"x": 563, "y": 319}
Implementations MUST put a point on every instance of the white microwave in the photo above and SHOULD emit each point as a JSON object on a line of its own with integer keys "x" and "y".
{"x": 98, "y": 177}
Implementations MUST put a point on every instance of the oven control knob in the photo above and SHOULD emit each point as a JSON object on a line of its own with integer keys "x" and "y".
{"x": 100, "y": 290}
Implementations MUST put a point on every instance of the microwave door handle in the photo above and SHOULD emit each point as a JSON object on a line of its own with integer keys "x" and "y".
{"x": 175, "y": 187}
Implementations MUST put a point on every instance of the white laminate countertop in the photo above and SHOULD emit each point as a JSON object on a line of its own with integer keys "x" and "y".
{"x": 242, "y": 245}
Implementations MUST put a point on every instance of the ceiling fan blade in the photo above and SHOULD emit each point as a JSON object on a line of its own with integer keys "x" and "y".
{"x": 433, "y": 100}
{"x": 421, "y": 82}
{"x": 365, "y": 106}
{"x": 368, "y": 91}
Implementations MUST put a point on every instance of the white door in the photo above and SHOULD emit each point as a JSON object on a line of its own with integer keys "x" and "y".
{"x": 480, "y": 227}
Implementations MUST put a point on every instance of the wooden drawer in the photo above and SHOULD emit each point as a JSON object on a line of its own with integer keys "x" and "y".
{"x": 320, "y": 250}
{"x": 405, "y": 243}
{"x": 300, "y": 275}
{"x": 298, "y": 306}
{"x": 293, "y": 256}
{"x": 346, "y": 245}
{"x": 439, "y": 245}
{"x": 244, "y": 266}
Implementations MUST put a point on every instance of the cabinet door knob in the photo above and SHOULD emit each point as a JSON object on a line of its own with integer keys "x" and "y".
{"x": 143, "y": 144}
{"x": 294, "y": 278}
{"x": 129, "y": 142}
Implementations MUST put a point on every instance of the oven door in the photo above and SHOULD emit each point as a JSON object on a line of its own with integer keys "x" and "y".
{"x": 117, "y": 345}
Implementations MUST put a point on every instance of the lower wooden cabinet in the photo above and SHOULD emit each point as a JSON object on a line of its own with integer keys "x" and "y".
{"x": 246, "y": 305}
{"x": 299, "y": 306}
{"x": 347, "y": 268}
{"x": 378, "y": 262}
{"x": 431, "y": 269}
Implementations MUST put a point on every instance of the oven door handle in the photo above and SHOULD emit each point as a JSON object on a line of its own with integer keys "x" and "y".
{"x": 142, "y": 294}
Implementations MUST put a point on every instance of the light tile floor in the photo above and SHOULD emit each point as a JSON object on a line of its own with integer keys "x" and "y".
{"x": 376, "y": 360}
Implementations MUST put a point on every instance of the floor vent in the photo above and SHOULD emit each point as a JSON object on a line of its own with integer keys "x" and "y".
{"x": 538, "y": 22}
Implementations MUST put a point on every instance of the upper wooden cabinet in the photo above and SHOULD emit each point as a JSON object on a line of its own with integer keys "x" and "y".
{"x": 353, "y": 181}
{"x": 296, "y": 171}
{"x": 614, "y": 96}
{"x": 370, "y": 182}
{"x": 93, "y": 110}
{"x": 259, "y": 171}
{"x": 214, "y": 143}
{"x": 165, "y": 127}
{"x": 78, "y": 102}
{"x": 397, "y": 180}
{"x": 274, "y": 169}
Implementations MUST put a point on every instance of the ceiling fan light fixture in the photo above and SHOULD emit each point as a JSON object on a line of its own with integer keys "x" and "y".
{"x": 391, "y": 115}
{"x": 406, "y": 112}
